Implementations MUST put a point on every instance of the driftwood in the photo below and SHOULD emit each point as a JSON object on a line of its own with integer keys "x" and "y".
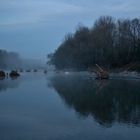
{"x": 101, "y": 74}
{"x": 129, "y": 67}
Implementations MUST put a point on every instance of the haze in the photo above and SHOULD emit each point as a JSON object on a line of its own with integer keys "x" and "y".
{"x": 34, "y": 28}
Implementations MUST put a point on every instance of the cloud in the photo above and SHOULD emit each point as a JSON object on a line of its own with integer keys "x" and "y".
{"x": 31, "y": 11}
{"x": 125, "y": 8}
{"x": 24, "y": 12}
{"x": 117, "y": 8}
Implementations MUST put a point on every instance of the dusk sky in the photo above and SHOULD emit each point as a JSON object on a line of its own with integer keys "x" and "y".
{"x": 34, "y": 28}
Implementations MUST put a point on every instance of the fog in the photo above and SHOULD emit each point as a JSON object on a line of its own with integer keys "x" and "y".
{"x": 12, "y": 60}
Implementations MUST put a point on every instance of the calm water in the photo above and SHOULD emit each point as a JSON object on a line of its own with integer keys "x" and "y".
{"x": 69, "y": 107}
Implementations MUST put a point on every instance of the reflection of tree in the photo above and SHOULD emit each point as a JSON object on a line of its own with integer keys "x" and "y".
{"x": 107, "y": 101}
{"x": 8, "y": 83}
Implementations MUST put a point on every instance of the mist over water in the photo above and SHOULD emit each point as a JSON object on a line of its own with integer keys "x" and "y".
{"x": 12, "y": 60}
{"x": 68, "y": 106}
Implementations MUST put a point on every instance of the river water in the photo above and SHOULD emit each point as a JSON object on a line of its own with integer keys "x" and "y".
{"x": 70, "y": 106}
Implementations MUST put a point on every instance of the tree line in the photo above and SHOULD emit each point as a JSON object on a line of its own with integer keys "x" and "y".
{"x": 109, "y": 42}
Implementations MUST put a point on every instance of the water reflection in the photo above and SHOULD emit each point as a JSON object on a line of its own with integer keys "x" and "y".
{"x": 106, "y": 101}
{"x": 9, "y": 84}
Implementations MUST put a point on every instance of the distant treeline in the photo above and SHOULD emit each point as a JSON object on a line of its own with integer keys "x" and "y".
{"x": 12, "y": 60}
{"x": 110, "y": 43}
{"x": 9, "y": 59}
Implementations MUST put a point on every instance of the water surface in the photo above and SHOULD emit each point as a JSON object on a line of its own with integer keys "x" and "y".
{"x": 69, "y": 107}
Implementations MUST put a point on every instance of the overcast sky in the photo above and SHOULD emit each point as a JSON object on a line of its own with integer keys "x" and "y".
{"x": 34, "y": 28}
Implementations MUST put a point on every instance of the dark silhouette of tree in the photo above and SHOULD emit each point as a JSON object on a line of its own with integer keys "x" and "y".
{"x": 110, "y": 43}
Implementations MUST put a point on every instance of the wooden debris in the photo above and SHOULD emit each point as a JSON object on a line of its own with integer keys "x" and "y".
{"x": 101, "y": 74}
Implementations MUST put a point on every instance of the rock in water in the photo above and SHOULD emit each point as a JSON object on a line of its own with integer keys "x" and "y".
{"x": 2, "y": 74}
{"x": 14, "y": 74}
{"x": 45, "y": 71}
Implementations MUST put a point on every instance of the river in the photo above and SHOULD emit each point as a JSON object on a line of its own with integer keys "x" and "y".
{"x": 69, "y": 106}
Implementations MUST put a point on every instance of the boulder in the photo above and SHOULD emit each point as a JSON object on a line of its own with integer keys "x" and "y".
{"x": 2, "y": 74}
{"x": 14, "y": 74}
{"x": 35, "y": 70}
